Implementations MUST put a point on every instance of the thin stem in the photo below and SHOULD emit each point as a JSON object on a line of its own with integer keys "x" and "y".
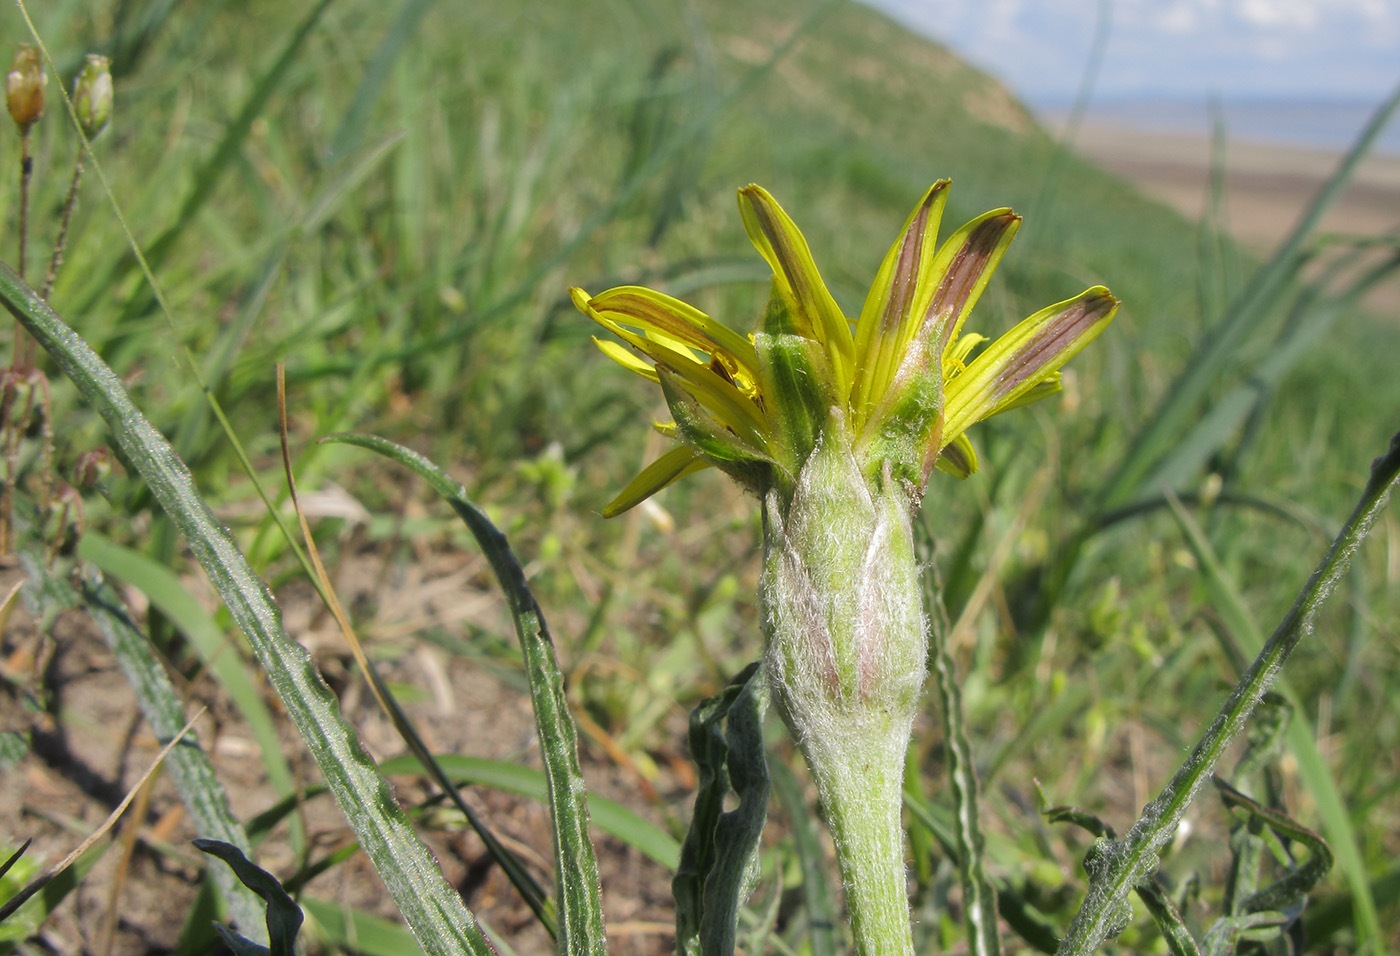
{"x": 979, "y": 895}
{"x": 1116, "y": 868}
{"x": 69, "y": 202}
{"x": 8, "y": 395}
{"x": 26, "y": 173}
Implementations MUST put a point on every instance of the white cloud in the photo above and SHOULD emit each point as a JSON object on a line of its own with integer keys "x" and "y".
{"x": 1316, "y": 48}
{"x": 1281, "y": 14}
{"x": 1179, "y": 18}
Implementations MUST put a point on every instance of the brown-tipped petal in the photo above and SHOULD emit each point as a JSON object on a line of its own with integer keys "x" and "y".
{"x": 958, "y": 458}
{"x": 945, "y": 295}
{"x": 962, "y": 269}
{"x": 795, "y": 274}
{"x": 1041, "y": 390}
{"x": 891, "y": 298}
{"x": 1023, "y": 358}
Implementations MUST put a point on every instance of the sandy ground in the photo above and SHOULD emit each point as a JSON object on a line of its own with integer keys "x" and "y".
{"x": 1267, "y": 187}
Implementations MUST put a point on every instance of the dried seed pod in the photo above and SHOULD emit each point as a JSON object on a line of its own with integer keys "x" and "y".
{"x": 24, "y": 87}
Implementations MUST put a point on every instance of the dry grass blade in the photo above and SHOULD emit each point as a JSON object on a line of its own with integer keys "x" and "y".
{"x": 131, "y": 831}
{"x": 39, "y": 882}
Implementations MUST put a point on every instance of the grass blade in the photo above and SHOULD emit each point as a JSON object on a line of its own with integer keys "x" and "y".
{"x": 1028, "y": 923}
{"x": 352, "y": 127}
{"x": 209, "y": 174}
{"x": 1250, "y": 308}
{"x": 520, "y": 877}
{"x": 1227, "y": 413}
{"x": 353, "y": 931}
{"x": 607, "y": 815}
{"x": 580, "y": 903}
{"x": 430, "y": 906}
{"x": 1118, "y": 867}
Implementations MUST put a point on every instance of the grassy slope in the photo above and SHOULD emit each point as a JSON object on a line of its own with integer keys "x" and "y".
{"x": 545, "y": 144}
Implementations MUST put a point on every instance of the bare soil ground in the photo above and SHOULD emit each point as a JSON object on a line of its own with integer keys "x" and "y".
{"x": 90, "y": 745}
{"x": 1267, "y": 187}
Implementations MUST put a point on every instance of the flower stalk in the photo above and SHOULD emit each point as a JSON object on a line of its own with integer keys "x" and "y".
{"x": 92, "y": 104}
{"x": 837, "y": 427}
{"x": 24, "y": 98}
{"x": 845, "y": 653}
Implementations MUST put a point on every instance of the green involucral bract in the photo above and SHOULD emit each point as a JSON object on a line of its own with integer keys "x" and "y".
{"x": 837, "y": 431}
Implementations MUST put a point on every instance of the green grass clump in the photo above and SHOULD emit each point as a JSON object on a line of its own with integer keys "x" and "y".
{"x": 394, "y": 201}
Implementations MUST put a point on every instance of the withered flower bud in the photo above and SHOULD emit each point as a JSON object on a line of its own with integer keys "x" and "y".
{"x": 24, "y": 87}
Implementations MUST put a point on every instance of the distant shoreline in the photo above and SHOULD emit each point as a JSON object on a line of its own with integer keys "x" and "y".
{"x": 1321, "y": 124}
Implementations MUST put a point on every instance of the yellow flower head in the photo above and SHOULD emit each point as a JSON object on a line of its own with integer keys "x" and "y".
{"x": 901, "y": 389}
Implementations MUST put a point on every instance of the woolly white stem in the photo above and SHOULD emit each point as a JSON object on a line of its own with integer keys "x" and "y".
{"x": 845, "y": 655}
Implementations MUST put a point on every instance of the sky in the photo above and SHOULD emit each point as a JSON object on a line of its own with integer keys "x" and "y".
{"x": 1180, "y": 49}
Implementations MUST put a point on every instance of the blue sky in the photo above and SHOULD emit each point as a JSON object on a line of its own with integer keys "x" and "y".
{"x": 1185, "y": 49}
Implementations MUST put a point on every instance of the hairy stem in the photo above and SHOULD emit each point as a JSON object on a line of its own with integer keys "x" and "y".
{"x": 862, "y": 800}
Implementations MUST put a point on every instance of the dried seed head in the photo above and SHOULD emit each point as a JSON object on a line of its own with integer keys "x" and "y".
{"x": 24, "y": 87}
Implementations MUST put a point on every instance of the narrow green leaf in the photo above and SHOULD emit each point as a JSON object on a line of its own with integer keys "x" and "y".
{"x": 1027, "y": 922}
{"x": 581, "y": 931}
{"x": 1164, "y": 913}
{"x": 14, "y": 858}
{"x": 351, "y": 930}
{"x": 328, "y": 200}
{"x": 520, "y": 877}
{"x": 283, "y": 914}
{"x": 429, "y": 904}
{"x": 979, "y": 894}
{"x": 213, "y": 169}
{"x": 719, "y": 858}
{"x": 352, "y": 126}
{"x": 1291, "y": 889}
{"x": 1227, "y": 413}
{"x": 39, "y": 907}
{"x": 198, "y": 936}
{"x": 1174, "y": 414}
{"x": 1224, "y": 937}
